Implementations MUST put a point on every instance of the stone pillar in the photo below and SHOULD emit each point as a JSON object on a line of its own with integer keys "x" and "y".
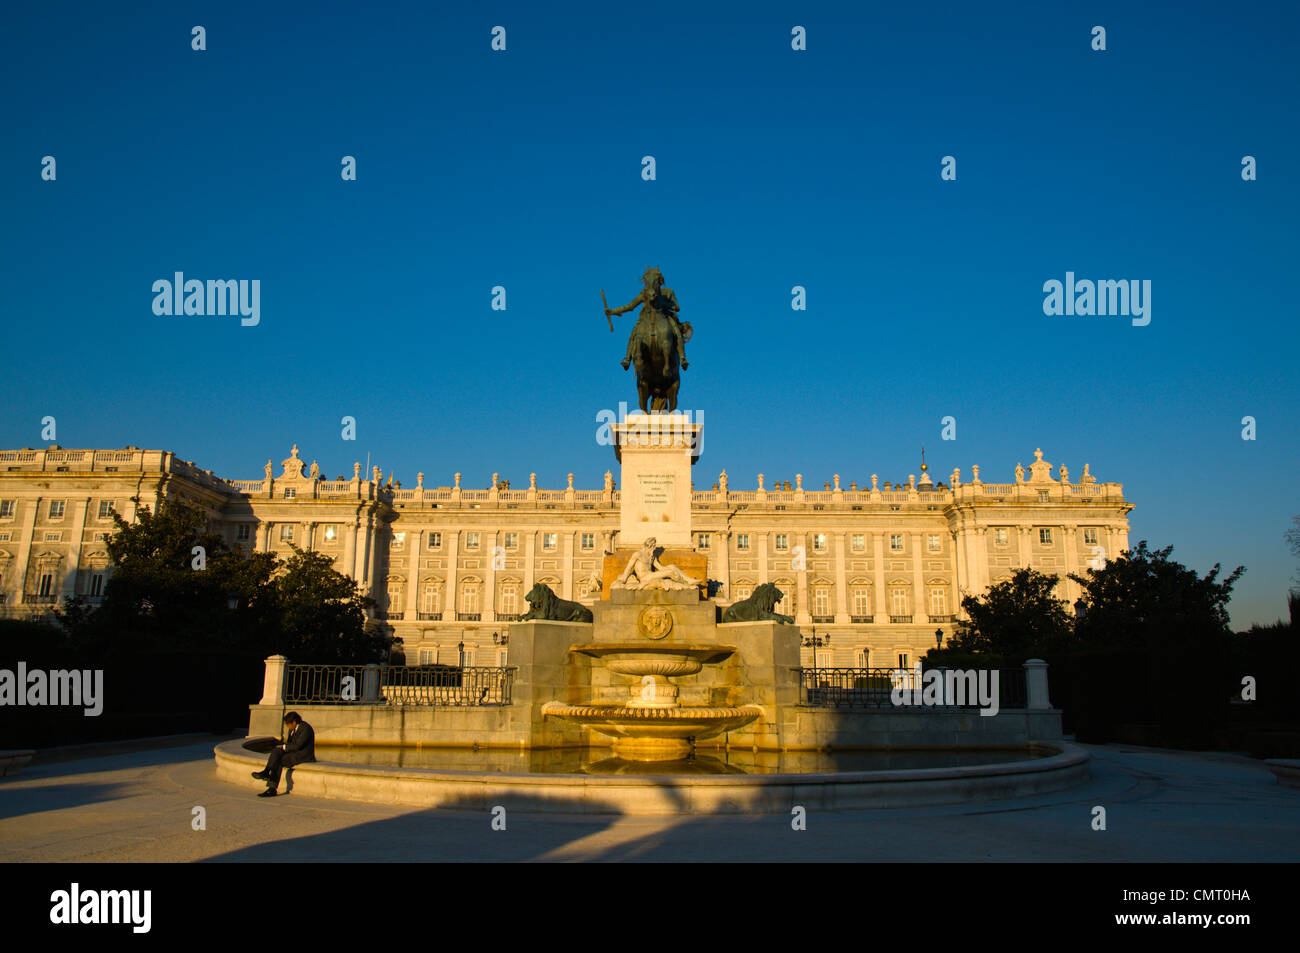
{"x": 372, "y": 551}
{"x": 1071, "y": 563}
{"x": 415, "y": 539}
{"x": 724, "y": 564}
{"x": 1118, "y": 536}
{"x": 530, "y": 550}
{"x": 262, "y": 538}
{"x": 25, "y": 545}
{"x": 490, "y": 577}
{"x": 1036, "y": 684}
{"x": 982, "y": 557}
{"x": 762, "y": 558}
{"x": 802, "y": 609}
{"x": 841, "y": 577}
{"x": 452, "y": 601}
{"x": 567, "y": 540}
{"x": 349, "y": 549}
{"x": 882, "y": 595}
{"x": 961, "y": 576}
{"x": 273, "y": 680}
{"x": 920, "y": 611}
{"x": 74, "y": 554}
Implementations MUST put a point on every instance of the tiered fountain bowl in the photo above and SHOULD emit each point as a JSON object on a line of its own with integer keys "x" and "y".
{"x": 653, "y": 725}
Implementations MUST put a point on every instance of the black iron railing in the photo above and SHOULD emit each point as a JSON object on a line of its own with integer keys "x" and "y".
{"x": 441, "y": 686}
{"x": 874, "y": 687}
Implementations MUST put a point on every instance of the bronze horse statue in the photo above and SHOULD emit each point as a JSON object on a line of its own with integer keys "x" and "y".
{"x": 657, "y": 344}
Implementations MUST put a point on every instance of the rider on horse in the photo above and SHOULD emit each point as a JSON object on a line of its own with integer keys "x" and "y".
{"x": 657, "y": 300}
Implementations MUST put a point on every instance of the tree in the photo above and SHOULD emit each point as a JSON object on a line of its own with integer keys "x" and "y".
{"x": 1146, "y": 598}
{"x": 1292, "y": 537}
{"x": 162, "y": 594}
{"x": 172, "y": 579}
{"x": 322, "y": 614}
{"x": 1018, "y": 617}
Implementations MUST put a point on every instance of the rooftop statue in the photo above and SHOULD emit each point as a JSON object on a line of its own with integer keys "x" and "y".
{"x": 657, "y": 343}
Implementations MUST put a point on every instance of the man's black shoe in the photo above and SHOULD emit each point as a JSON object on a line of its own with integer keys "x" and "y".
{"x": 269, "y": 792}
{"x": 261, "y": 775}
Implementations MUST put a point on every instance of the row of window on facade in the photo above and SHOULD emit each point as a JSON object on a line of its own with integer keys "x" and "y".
{"x": 704, "y": 541}
{"x": 47, "y": 584}
{"x": 55, "y": 510}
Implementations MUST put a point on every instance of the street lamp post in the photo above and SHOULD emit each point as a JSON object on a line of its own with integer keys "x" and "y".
{"x": 938, "y": 638}
{"x": 815, "y": 642}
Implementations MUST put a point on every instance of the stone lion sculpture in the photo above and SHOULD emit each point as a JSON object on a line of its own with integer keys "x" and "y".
{"x": 758, "y": 607}
{"x": 544, "y": 604}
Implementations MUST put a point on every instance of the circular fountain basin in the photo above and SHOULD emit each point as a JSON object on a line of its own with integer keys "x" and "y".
{"x": 621, "y": 787}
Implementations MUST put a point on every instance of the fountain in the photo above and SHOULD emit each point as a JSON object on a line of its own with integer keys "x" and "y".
{"x": 653, "y": 701}
{"x": 653, "y": 725}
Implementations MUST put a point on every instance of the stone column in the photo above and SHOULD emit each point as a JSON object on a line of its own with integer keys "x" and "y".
{"x": 1118, "y": 536}
{"x": 1071, "y": 541}
{"x": 491, "y": 540}
{"x": 349, "y": 548}
{"x": 25, "y": 545}
{"x": 566, "y": 563}
{"x": 273, "y": 680}
{"x": 74, "y": 555}
{"x": 763, "y": 568}
{"x": 372, "y": 550}
{"x": 530, "y": 550}
{"x": 802, "y": 610}
{"x": 415, "y": 539}
{"x": 841, "y": 580}
{"x": 961, "y": 577}
{"x": 982, "y": 557}
{"x": 920, "y": 611}
{"x": 1036, "y": 684}
{"x": 724, "y": 563}
{"x": 452, "y": 601}
{"x": 882, "y": 596}
{"x": 309, "y": 535}
{"x": 1023, "y": 548}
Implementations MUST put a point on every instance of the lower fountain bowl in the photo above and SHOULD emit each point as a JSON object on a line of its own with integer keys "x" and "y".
{"x": 655, "y": 734}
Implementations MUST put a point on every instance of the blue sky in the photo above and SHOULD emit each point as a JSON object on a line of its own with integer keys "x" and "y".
{"x": 775, "y": 168}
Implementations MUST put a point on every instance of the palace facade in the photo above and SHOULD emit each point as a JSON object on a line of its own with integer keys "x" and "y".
{"x": 878, "y": 569}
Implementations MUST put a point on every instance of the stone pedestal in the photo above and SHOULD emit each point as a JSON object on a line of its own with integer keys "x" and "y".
{"x": 547, "y": 672}
{"x": 656, "y": 452}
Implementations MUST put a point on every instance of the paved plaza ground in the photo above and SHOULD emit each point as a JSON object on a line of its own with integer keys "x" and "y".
{"x": 134, "y": 802}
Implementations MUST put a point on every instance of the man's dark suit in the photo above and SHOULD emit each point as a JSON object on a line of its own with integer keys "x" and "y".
{"x": 299, "y": 747}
